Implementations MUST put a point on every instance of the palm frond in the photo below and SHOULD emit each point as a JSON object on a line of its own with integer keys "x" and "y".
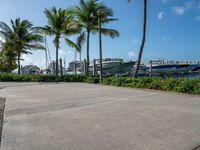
{"x": 80, "y": 41}
{"x": 106, "y": 21}
{"x": 70, "y": 43}
{"x": 107, "y": 32}
{"x": 4, "y": 27}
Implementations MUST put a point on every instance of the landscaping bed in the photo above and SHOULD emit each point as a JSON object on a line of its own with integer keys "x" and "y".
{"x": 180, "y": 85}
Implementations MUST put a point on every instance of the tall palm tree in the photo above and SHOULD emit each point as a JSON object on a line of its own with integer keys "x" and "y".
{"x": 143, "y": 39}
{"x": 86, "y": 14}
{"x": 104, "y": 15}
{"x": 60, "y": 23}
{"x": 21, "y": 37}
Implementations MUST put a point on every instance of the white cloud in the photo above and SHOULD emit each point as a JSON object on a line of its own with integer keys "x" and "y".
{"x": 131, "y": 54}
{"x": 136, "y": 41}
{"x": 160, "y": 15}
{"x": 178, "y": 10}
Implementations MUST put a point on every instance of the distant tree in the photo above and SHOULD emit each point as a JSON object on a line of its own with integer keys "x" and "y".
{"x": 143, "y": 39}
{"x": 20, "y": 39}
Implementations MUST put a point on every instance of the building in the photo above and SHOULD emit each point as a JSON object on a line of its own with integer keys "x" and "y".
{"x": 52, "y": 68}
{"x": 30, "y": 69}
{"x": 76, "y": 66}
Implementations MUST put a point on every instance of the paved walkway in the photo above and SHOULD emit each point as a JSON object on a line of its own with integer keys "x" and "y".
{"x": 73, "y": 116}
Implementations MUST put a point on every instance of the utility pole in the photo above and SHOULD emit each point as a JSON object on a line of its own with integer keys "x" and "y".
{"x": 100, "y": 50}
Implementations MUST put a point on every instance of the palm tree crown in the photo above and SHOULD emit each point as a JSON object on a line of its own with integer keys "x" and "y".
{"x": 21, "y": 38}
{"x": 60, "y": 22}
{"x": 87, "y": 14}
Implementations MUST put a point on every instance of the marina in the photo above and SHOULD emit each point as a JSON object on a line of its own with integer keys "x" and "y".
{"x": 115, "y": 66}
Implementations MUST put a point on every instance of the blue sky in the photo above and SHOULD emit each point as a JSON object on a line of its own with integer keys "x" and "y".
{"x": 173, "y": 30}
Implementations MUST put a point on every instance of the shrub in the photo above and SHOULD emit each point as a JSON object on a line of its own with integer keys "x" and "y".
{"x": 46, "y": 78}
{"x": 170, "y": 84}
{"x": 107, "y": 81}
{"x": 144, "y": 82}
{"x": 196, "y": 86}
{"x": 156, "y": 84}
{"x": 92, "y": 80}
{"x": 117, "y": 81}
{"x": 185, "y": 86}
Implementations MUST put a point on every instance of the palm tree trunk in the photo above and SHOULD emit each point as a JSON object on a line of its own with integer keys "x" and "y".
{"x": 81, "y": 65}
{"x": 88, "y": 53}
{"x": 75, "y": 62}
{"x": 100, "y": 52}
{"x": 80, "y": 56}
{"x": 57, "y": 60}
{"x": 19, "y": 66}
{"x": 10, "y": 63}
{"x": 143, "y": 40}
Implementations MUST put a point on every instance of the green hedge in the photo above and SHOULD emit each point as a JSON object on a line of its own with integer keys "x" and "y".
{"x": 46, "y": 78}
{"x": 171, "y": 84}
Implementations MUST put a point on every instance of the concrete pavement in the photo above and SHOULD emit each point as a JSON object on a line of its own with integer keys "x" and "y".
{"x": 75, "y": 116}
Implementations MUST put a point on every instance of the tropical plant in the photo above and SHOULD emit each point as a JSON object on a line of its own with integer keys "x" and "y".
{"x": 143, "y": 38}
{"x": 21, "y": 38}
{"x": 87, "y": 17}
{"x": 104, "y": 16}
{"x": 7, "y": 57}
{"x": 60, "y": 22}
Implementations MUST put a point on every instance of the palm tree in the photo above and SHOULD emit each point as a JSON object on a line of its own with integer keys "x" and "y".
{"x": 21, "y": 37}
{"x": 104, "y": 16}
{"x": 60, "y": 22}
{"x": 86, "y": 14}
{"x": 8, "y": 52}
{"x": 9, "y": 55}
{"x": 143, "y": 39}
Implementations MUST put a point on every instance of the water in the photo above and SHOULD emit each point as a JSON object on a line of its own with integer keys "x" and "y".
{"x": 193, "y": 76}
